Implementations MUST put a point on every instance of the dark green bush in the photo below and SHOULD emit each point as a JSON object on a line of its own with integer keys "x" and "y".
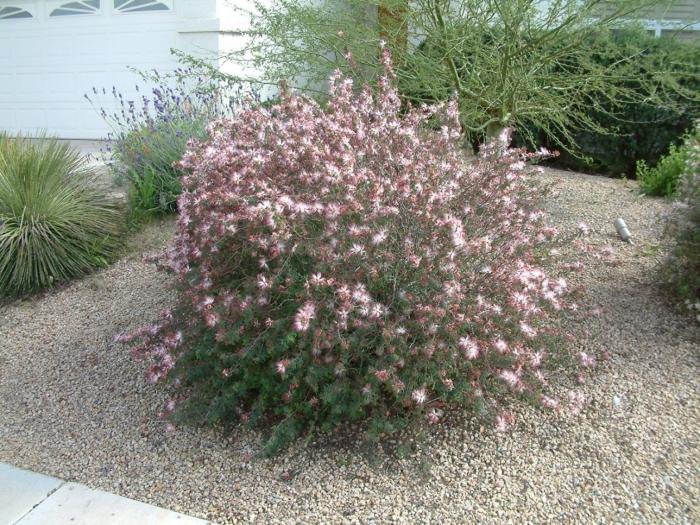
{"x": 54, "y": 223}
{"x": 622, "y": 132}
{"x": 379, "y": 284}
{"x": 640, "y": 131}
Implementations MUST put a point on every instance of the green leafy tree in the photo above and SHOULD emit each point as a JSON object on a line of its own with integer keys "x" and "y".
{"x": 525, "y": 64}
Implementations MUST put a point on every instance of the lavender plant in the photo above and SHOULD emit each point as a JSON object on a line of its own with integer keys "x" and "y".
{"x": 344, "y": 263}
{"x": 150, "y": 135}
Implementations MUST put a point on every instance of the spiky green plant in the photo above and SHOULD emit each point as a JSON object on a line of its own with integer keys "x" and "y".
{"x": 54, "y": 222}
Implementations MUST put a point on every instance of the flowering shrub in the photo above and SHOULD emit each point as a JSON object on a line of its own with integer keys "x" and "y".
{"x": 346, "y": 264}
{"x": 684, "y": 265}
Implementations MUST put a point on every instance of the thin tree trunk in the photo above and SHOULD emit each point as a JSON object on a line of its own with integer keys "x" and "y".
{"x": 393, "y": 28}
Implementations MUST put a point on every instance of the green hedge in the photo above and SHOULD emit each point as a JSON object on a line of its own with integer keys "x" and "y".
{"x": 641, "y": 132}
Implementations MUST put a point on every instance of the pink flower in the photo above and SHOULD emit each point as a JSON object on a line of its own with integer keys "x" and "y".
{"x": 587, "y": 360}
{"x": 281, "y": 366}
{"x": 504, "y": 421}
{"x": 382, "y": 375}
{"x": 501, "y": 346}
{"x": 550, "y": 402}
{"x": 449, "y": 384}
{"x": 397, "y": 385}
{"x": 379, "y": 237}
{"x": 470, "y": 347}
{"x": 211, "y": 318}
{"x": 584, "y": 228}
{"x": 527, "y": 330}
{"x": 510, "y": 377}
{"x": 434, "y": 416}
{"x": 263, "y": 282}
{"x": 577, "y": 401}
{"x": 303, "y": 318}
{"x": 419, "y": 396}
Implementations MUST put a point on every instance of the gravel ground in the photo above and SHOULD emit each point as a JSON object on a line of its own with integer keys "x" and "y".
{"x": 75, "y": 406}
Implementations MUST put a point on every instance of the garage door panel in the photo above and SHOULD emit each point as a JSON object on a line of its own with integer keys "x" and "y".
{"x": 31, "y": 118}
{"x": 7, "y": 120}
{"x": 49, "y": 63}
{"x": 6, "y": 80}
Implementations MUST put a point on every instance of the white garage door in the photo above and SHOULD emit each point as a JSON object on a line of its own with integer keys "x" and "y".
{"x": 54, "y": 52}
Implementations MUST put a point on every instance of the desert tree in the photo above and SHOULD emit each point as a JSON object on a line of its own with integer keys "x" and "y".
{"x": 525, "y": 64}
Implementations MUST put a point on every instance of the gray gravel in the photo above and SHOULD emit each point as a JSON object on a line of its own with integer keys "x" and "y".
{"x": 74, "y": 405}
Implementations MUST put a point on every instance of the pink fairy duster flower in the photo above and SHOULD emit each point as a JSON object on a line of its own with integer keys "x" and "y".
{"x": 504, "y": 422}
{"x": 281, "y": 366}
{"x": 527, "y": 330}
{"x": 317, "y": 279}
{"x": 419, "y": 396}
{"x": 511, "y": 378}
{"x": 303, "y": 318}
{"x": 577, "y": 401}
{"x": 501, "y": 346}
{"x": 263, "y": 282}
{"x": 550, "y": 402}
{"x": 470, "y": 347}
{"x": 357, "y": 249}
{"x": 434, "y": 416}
{"x": 211, "y": 318}
{"x": 584, "y": 228}
{"x": 379, "y": 237}
{"x": 382, "y": 375}
{"x": 586, "y": 360}
{"x": 536, "y": 359}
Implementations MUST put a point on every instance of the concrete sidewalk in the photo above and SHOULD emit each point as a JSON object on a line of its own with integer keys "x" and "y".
{"x": 27, "y": 498}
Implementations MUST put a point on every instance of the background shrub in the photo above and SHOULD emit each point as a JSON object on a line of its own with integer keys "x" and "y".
{"x": 636, "y": 130}
{"x": 683, "y": 268}
{"x": 619, "y": 126}
{"x": 149, "y": 136}
{"x": 662, "y": 180}
{"x": 344, "y": 264}
{"x": 515, "y": 64}
{"x": 54, "y": 224}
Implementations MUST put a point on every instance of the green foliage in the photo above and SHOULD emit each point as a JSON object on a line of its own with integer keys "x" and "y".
{"x": 54, "y": 224}
{"x": 516, "y": 64}
{"x": 147, "y": 158}
{"x": 640, "y": 128}
{"x": 662, "y": 179}
{"x": 683, "y": 268}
